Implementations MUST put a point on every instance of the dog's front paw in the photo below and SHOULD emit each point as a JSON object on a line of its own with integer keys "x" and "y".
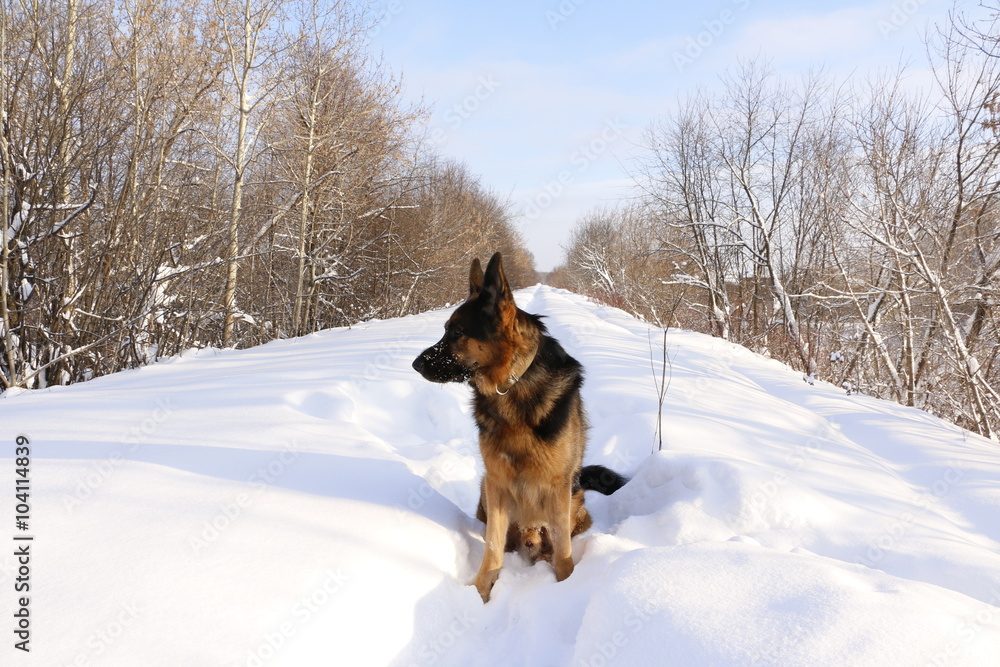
{"x": 484, "y": 584}
{"x": 563, "y": 568}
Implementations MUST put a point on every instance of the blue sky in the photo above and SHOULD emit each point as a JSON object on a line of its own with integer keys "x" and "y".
{"x": 547, "y": 100}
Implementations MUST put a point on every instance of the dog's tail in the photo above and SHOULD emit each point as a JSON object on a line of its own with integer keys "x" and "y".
{"x": 601, "y": 479}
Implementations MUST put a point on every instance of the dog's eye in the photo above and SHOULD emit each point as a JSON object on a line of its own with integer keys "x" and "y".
{"x": 456, "y": 332}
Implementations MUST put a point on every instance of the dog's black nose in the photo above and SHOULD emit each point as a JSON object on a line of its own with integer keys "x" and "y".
{"x": 418, "y": 364}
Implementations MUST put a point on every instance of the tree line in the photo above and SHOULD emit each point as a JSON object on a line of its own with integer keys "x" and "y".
{"x": 849, "y": 230}
{"x": 215, "y": 173}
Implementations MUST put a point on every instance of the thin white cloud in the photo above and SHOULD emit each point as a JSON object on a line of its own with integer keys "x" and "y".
{"x": 811, "y": 38}
{"x": 843, "y": 39}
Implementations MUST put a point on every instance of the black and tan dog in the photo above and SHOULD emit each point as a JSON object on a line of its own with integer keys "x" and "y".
{"x": 532, "y": 426}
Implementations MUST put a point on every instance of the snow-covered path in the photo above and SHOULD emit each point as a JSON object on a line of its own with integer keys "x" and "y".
{"x": 310, "y": 502}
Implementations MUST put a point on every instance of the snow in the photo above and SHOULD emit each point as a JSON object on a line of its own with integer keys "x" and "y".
{"x": 26, "y": 290}
{"x": 311, "y": 502}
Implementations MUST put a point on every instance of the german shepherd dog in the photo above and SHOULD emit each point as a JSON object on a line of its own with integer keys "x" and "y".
{"x": 532, "y": 426}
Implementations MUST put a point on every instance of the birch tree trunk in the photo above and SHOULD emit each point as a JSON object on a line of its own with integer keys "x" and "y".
{"x": 9, "y": 377}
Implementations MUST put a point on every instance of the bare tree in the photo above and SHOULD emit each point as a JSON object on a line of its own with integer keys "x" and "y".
{"x": 678, "y": 178}
{"x": 851, "y": 233}
{"x": 927, "y": 202}
{"x": 446, "y": 219}
{"x": 8, "y": 365}
{"x": 181, "y": 174}
{"x": 734, "y": 173}
{"x": 251, "y": 30}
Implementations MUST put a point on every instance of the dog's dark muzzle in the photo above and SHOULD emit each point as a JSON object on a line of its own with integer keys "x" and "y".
{"x": 438, "y": 364}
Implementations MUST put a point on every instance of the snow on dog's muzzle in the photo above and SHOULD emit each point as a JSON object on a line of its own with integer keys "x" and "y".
{"x": 438, "y": 364}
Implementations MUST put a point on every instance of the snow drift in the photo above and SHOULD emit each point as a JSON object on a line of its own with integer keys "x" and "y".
{"x": 310, "y": 502}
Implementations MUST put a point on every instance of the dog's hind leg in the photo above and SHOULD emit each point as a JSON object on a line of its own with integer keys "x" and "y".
{"x": 581, "y": 520}
{"x": 497, "y": 521}
{"x": 560, "y": 531}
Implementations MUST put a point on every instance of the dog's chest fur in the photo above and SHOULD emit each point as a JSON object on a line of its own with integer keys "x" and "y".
{"x": 539, "y": 423}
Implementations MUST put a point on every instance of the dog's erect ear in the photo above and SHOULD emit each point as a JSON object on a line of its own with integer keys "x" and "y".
{"x": 495, "y": 282}
{"x": 475, "y": 278}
